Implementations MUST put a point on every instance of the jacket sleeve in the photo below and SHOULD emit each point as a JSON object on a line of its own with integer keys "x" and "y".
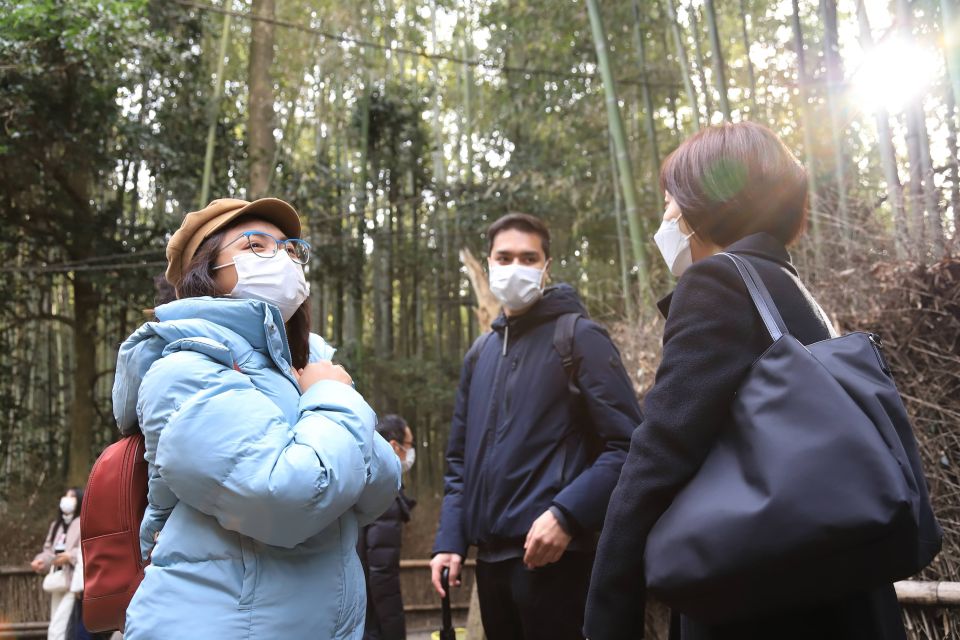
{"x": 614, "y": 413}
{"x": 73, "y": 540}
{"x": 383, "y": 540}
{"x": 226, "y": 449}
{"x": 383, "y": 482}
{"x": 450, "y": 534}
{"x": 46, "y": 554}
{"x": 709, "y": 344}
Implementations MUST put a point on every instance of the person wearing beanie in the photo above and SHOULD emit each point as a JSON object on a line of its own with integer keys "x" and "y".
{"x": 263, "y": 459}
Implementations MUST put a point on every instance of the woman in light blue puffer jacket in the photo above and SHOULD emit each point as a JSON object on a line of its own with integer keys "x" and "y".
{"x": 263, "y": 460}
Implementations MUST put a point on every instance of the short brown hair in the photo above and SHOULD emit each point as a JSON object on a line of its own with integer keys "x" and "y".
{"x": 733, "y": 180}
{"x": 523, "y": 222}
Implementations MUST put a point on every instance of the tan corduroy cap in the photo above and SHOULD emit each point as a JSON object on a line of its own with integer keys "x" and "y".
{"x": 199, "y": 225}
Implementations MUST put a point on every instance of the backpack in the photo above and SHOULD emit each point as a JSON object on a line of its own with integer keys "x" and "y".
{"x": 113, "y": 506}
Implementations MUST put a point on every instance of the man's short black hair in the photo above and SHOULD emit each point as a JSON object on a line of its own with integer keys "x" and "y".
{"x": 392, "y": 427}
{"x": 523, "y": 222}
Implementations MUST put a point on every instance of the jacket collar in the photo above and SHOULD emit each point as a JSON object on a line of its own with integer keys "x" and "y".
{"x": 760, "y": 245}
{"x": 258, "y": 323}
{"x": 557, "y": 300}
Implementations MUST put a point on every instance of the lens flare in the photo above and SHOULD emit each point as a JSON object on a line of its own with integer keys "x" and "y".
{"x": 892, "y": 73}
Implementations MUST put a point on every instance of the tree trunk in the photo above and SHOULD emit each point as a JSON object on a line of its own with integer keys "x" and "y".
{"x": 260, "y": 141}
{"x": 83, "y": 415}
{"x": 915, "y": 187}
{"x": 621, "y": 241}
{"x": 719, "y": 68}
{"x": 750, "y": 72}
{"x": 834, "y": 72}
{"x": 888, "y": 155}
{"x": 954, "y": 153}
{"x": 650, "y": 125}
{"x": 914, "y": 117}
{"x": 624, "y": 164}
{"x": 488, "y": 307}
{"x": 808, "y": 141}
{"x": 214, "y": 113}
{"x": 701, "y": 66}
{"x": 682, "y": 60}
{"x": 931, "y": 197}
{"x": 440, "y": 207}
{"x": 950, "y": 15}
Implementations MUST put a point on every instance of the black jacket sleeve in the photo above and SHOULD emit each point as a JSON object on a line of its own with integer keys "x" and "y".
{"x": 613, "y": 411}
{"x": 711, "y": 338}
{"x": 382, "y": 546}
{"x": 450, "y": 536}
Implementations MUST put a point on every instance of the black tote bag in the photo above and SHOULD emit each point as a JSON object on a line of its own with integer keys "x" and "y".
{"x": 816, "y": 491}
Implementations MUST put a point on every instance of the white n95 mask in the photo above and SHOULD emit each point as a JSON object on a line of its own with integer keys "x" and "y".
{"x": 277, "y": 280}
{"x": 515, "y": 285}
{"x": 674, "y": 246}
{"x": 409, "y": 457}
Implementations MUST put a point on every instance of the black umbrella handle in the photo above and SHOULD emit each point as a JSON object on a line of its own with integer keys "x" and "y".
{"x": 446, "y": 632}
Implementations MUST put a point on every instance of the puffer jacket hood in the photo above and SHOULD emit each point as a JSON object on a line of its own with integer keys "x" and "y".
{"x": 256, "y": 492}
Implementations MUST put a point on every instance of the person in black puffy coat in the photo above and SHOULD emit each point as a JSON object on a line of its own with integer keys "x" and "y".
{"x": 380, "y": 542}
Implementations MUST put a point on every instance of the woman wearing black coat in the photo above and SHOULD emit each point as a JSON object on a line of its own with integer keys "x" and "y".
{"x": 380, "y": 543}
{"x": 734, "y": 188}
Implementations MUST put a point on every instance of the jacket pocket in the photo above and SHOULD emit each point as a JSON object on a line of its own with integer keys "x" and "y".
{"x": 249, "y": 557}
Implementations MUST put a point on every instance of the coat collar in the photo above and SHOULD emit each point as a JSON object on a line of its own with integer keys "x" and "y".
{"x": 760, "y": 245}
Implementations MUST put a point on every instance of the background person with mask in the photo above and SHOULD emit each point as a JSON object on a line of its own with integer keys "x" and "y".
{"x": 380, "y": 544}
{"x": 535, "y": 447}
{"x": 58, "y": 559}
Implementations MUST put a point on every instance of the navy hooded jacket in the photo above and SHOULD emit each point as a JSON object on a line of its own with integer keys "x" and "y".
{"x": 520, "y": 440}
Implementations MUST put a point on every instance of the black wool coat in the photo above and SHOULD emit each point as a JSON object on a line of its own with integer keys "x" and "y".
{"x": 712, "y": 336}
{"x": 379, "y": 550}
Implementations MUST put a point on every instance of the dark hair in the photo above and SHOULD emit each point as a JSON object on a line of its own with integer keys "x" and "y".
{"x": 164, "y": 292}
{"x": 198, "y": 281}
{"x": 523, "y": 222}
{"x": 733, "y": 180}
{"x": 392, "y": 427}
{"x": 60, "y": 522}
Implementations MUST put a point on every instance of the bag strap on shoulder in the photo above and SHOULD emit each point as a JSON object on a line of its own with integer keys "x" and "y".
{"x": 563, "y": 333}
{"x": 761, "y": 297}
{"x": 474, "y": 353}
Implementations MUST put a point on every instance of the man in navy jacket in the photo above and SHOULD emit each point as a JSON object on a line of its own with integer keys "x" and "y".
{"x": 536, "y": 446}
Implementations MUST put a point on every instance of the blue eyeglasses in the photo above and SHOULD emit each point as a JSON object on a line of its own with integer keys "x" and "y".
{"x": 266, "y": 246}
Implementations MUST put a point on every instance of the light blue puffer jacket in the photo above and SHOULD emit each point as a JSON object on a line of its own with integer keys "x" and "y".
{"x": 256, "y": 493}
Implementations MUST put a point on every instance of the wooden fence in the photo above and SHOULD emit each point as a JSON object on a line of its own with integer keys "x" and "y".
{"x": 25, "y": 608}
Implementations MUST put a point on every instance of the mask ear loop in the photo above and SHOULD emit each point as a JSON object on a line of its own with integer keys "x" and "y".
{"x": 694, "y": 229}
{"x": 544, "y": 274}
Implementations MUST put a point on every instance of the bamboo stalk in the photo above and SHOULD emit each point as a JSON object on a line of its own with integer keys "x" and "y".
{"x": 719, "y": 70}
{"x": 684, "y": 61}
{"x": 930, "y": 594}
{"x": 888, "y": 155}
{"x": 214, "y": 113}
{"x": 624, "y": 164}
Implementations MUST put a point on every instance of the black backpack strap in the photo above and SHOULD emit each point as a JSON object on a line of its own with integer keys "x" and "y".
{"x": 563, "y": 333}
{"x": 474, "y": 353}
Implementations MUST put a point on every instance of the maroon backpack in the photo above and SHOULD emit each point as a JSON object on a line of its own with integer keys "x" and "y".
{"x": 113, "y": 507}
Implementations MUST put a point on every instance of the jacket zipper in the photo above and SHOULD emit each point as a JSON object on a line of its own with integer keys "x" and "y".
{"x": 877, "y": 344}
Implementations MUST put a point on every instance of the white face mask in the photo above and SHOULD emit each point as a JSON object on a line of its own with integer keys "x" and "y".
{"x": 409, "y": 457}
{"x": 277, "y": 280}
{"x": 674, "y": 246}
{"x": 515, "y": 285}
{"x": 68, "y": 504}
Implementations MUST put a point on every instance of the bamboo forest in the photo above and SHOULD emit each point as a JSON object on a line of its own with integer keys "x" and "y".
{"x": 400, "y": 130}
